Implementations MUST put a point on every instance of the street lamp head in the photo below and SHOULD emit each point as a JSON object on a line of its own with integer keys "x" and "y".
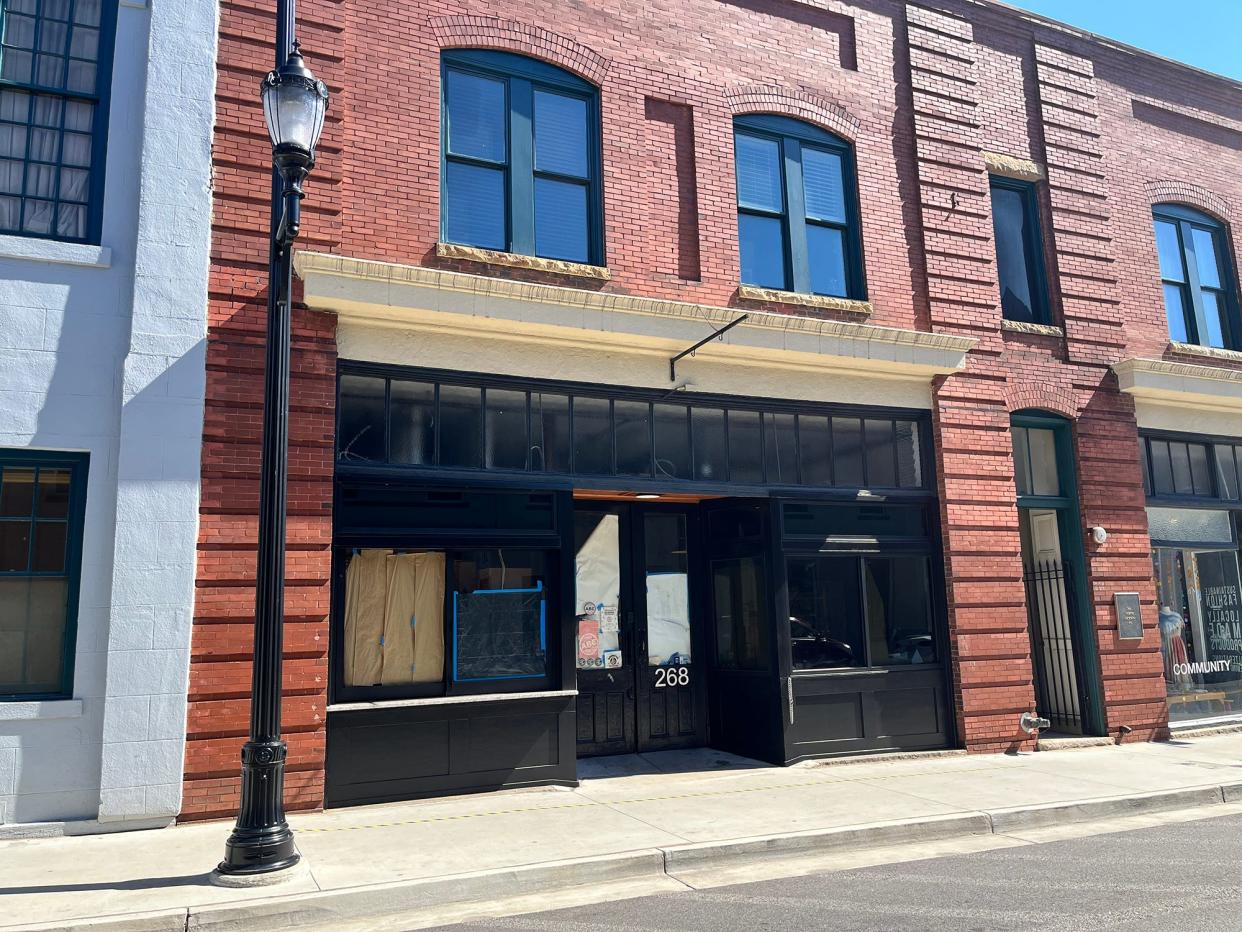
{"x": 294, "y": 104}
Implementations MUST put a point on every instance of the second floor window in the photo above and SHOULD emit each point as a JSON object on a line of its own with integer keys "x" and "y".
{"x": 55, "y": 68}
{"x": 521, "y": 157}
{"x": 1019, "y": 251}
{"x": 1199, "y": 300}
{"x": 797, "y": 214}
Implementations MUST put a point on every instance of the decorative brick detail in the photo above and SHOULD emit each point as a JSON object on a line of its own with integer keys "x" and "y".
{"x": 1057, "y": 399}
{"x": 514, "y": 260}
{"x": 818, "y": 301}
{"x": 1069, "y": 109}
{"x": 488, "y": 32}
{"x": 1190, "y": 194}
{"x": 1013, "y": 167}
{"x": 772, "y": 98}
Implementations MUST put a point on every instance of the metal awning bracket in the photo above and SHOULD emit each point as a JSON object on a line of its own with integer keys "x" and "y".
{"x": 715, "y": 335}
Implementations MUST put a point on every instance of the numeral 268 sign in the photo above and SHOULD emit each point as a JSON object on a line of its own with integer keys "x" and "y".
{"x": 672, "y": 676}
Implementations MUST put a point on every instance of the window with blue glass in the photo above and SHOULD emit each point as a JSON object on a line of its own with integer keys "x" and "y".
{"x": 1199, "y": 299}
{"x": 42, "y": 500}
{"x": 521, "y": 157}
{"x": 1019, "y": 251}
{"x": 55, "y": 68}
{"x": 797, "y": 214}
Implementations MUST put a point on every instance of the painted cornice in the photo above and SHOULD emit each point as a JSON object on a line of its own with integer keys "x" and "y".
{"x": 1181, "y": 384}
{"x": 417, "y": 297}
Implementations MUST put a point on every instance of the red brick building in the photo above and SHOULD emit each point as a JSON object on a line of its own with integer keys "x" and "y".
{"x": 941, "y": 222}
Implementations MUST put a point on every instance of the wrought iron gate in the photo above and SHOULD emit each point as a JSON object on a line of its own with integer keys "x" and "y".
{"x": 1052, "y": 609}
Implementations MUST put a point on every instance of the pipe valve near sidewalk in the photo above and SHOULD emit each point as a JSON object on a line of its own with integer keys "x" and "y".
{"x": 1033, "y": 724}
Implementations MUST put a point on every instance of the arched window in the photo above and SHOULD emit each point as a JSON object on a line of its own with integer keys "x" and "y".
{"x": 1199, "y": 297}
{"x": 520, "y": 171}
{"x": 797, "y": 212}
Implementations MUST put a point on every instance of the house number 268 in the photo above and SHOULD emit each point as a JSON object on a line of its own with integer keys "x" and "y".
{"x": 672, "y": 676}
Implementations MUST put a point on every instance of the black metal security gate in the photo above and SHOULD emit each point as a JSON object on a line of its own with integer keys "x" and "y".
{"x": 1051, "y": 608}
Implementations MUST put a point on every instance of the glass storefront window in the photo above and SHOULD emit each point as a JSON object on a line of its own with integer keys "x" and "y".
{"x": 394, "y": 618}
{"x": 825, "y": 613}
{"x": 741, "y": 614}
{"x": 597, "y": 590}
{"x": 519, "y": 428}
{"x": 668, "y": 589}
{"x": 399, "y": 625}
{"x": 1200, "y": 621}
{"x": 856, "y": 611}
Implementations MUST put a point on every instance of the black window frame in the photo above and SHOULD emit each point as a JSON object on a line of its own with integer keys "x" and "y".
{"x": 100, "y": 98}
{"x": 523, "y": 76}
{"x": 791, "y": 136}
{"x": 799, "y": 414}
{"x": 1032, "y": 247}
{"x": 1185, "y": 220}
{"x": 78, "y": 465}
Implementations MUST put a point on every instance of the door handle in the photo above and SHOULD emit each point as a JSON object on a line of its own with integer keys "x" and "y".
{"x": 790, "y": 697}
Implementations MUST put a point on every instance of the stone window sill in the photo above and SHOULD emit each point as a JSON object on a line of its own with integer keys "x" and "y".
{"x": 40, "y": 710}
{"x": 1021, "y": 326}
{"x": 49, "y": 250}
{"x": 798, "y": 299}
{"x": 1206, "y": 352}
{"x": 513, "y": 260}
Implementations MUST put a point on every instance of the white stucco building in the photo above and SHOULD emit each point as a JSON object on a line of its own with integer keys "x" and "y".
{"x": 106, "y": 115}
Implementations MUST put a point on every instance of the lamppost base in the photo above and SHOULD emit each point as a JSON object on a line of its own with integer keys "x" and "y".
{"x": 290, "y": 872}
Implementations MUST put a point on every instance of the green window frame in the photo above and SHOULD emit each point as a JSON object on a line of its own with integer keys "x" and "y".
{"x": 1029, "y": 252}
{"x": 55, "y": 76}
{"x": 815, "y": 229}
{"x": 1196, "y": 276}
{"x": 497, "y": 187}
{"x": 42, "y": 505}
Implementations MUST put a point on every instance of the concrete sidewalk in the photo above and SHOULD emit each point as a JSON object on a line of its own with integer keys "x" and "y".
{"x": 657, "y": 819}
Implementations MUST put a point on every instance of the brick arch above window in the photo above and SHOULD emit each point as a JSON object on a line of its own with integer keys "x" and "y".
{"x": 771, "y": 98}
{"x": 486, "y": 32}
{"x": 1192, "y": 195}
{"x": 1052, "y": 399}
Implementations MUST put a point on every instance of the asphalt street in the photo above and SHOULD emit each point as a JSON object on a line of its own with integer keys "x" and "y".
{"x": 1177, "y": 877}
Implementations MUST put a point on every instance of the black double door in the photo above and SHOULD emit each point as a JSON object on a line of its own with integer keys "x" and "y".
{"x": 640, "y": 634}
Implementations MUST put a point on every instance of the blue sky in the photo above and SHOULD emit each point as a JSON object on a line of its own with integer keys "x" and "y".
{"x": 1203, "y": 33}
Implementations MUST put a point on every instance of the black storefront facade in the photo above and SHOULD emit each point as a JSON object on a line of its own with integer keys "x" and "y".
{"x": 530, "y": 571}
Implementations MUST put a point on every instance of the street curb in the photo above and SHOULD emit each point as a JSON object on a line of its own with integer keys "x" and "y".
{"x": 164, "y": 920}
{"x": 874, "y": 835}
{"x": 329, "y": 907}
{"x": 1018, "y": 818}
{"x": 333, "y": 906}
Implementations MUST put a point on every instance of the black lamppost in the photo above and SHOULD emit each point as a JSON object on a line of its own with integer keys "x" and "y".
{"x": 294, "y": 103}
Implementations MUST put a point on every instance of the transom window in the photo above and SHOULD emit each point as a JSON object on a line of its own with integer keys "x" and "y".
{"x": 41, "y": 505}
{"x": 1199, "y": 300}
{"x": 521, "y": 157}
{"x": 55, "y": 64}
{"x": 796, "y": 211}
{"x": 1019, "y": 251}
{"x": 554, "y": 429}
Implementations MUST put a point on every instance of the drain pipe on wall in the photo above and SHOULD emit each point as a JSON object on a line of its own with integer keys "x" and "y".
{"x": 1122, "y": 731}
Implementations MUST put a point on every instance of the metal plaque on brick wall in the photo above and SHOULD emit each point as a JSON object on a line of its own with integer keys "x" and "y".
{"x": 1129, "y": 615}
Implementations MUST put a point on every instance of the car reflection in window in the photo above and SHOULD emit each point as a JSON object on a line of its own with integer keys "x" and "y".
{"x": 813, "y": 649}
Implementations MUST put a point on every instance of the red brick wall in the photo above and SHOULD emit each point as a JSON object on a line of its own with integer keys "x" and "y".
{"x": 923, "y": 94}
{"x": 219, "y": 708}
